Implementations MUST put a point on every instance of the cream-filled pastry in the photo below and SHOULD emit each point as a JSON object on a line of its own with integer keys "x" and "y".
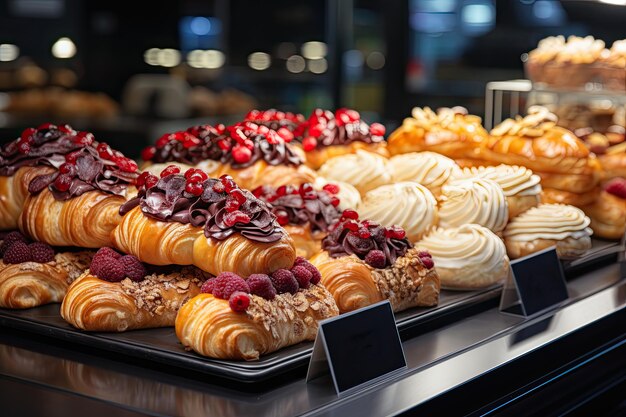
{"x": 473, "y": 200}
{"x": 430, "y": 169}
{"x": 364, "y": 170}
{"x": 521, "y": 187}
{"x": 547, "y": 225}
{"x": 467, "y": 257}
{"x": 407, "y": 204}
{"x": 349, "y": 197}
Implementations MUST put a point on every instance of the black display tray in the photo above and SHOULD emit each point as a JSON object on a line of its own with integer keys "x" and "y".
{"x": 162, "y": 346}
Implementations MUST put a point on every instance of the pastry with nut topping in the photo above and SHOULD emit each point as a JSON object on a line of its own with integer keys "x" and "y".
{"x": 362, "y": 263}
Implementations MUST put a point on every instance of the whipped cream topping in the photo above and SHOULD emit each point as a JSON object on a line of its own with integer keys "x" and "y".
{"x": 349, "y": 197}
{"x": 407, "y": 204}
{"x": 474, "y": 200}
{"x": 549, "y": 221}
{"x": 514, "y": 180}
{"x": 364, "y": 170}
{"x": 430, "y": 169}
{"x": 466, "y": 246}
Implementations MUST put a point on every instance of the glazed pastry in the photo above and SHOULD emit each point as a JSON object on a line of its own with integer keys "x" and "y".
{"x": 473, "y": 200}
{"x": 467, "y": 257}
{"x": 521, "y": 187}
{"x": 429, "y": 169}
{"x": 614, "y": 161}
{"x": 34, "y": 274}
{"x": 78, "y": 188}
{"x": 331, "y": 134}
{"x": 613, "y": 70}
{"x": 152, "y": 300}
{"x": 406, "y": 204}
{"x": 349, "y": 197}
{"x": 556, "y": 196}
{"x": 306, "y": 214}
{"x": 608, "y": 213}
{"x": 547, "y": 225}
{"x": 364, "y": 170}
{"x": 209, "y": 223}
{"x": 450, "y": 132}
{"x": 363, "y": 263}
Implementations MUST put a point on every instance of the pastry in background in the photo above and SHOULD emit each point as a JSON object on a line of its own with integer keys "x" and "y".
{"x": 450, "y": 131}
{"x": 349, "y": 197}
{"x": 276, "y": 120}
{"x": 63, "y": 104}
{"x": 331, "y": 134}
{"x": 521, "y": 187}
{"x": 406, "y": 204}
{"x": 608, "y": 213}
{"x": 429, "y": 169}
{"x": 468, "y": 257}
{"x": 613, "y": 69}
{"x": 547, "y": 225}
{"x": 305, "y": 213}
{"x": 473, "y": 200}
{"x": 363, "y": 263}
{"x": 364, "y": 170}
{"x": 610, "y": 148}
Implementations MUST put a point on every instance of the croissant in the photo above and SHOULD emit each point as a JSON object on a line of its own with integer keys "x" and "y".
{"x": 84, "y": 221}
{"x": 208, "y": 325}
{"x": 13, "y": 193}
{"x": 317, "y": 157}
{"x": 306, "y": 242}
{"x": 608, "y": 216}
{"x": 32, "y": 284}
{"x": 354, "y": 284}
{"x": 96, "y": 305}
{"x": 261, "y": 173}
{"x": 164, "y": 243}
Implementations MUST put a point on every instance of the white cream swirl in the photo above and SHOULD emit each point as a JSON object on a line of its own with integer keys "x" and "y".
{"x": 349, "y": 197}
{"x": 365, "y": 170}
{"x": 469, "y": 248}
{"x": 514, "y": 180}
{"x": 430, "y": 169}
{"x": 473, "y": 200}
{"x": 406, "y": 204}
{"x": 549, "y": 221}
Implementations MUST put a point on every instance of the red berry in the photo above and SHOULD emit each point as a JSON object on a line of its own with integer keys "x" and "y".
{"x": 104, "y": 150}
{"x": 84, "y": 138}
{"x": 316, "y": 277}
{"x": 353, "y": 115}
{"x": 41, "y": 252}
{"x": 284, "y": 281}
{"x": 17, "y": 253}
{"x": 252, "y": 115}
{"x": 10, "y": 239}
{"x": 228, "y": 183}
{"x": 170, "y": 170}
{"x": 218, "y": 187}
{"x": 309, "y": 143}
{"x": 27, "y": 134}
{"x": 190, "y": 141}
{"x": 428, "y": 262}
{"x": 285, "y": 134}
{"x": 207, "y": 287}
{"x": 376, "y": 259}
{"x": 72, "y": 156}
{"x": 282, "y": 217}
{"x": 302, "y": 275}
{"x": 107, "y": 252}
{"x": 67, "y": 168}
{"x": 235, "y": 217}
{"x": 261, "y": 285}
{"x": 151, "y": 181}
{"x": 316, "y": 130}
{"x": 63, "y": 182}
{"x": 376, "y": 129}
{"x": 133, "y": 268}
{"x": 331, "y": 188}
{"x": 239, "y": 301}
{"x": 617, "y": 187}
{"x": 126, "y": 164}
{"x": 23, "y": 147}
{"x": 395, "y": 232}
{"x": 241, "y": 154}
{"x": 351, "y": 225}
{"x": 194, "y": 188}
{"x": 46, "y": 126}
{"x": 66, "y": 129}
{"x": 148, "y": 153}
{"x": 163, "y": 140}
{"x": 110, "y": 269}
{"x": 141, "y": 179}
{"x": 226, "y": 283}
{"x": 424, "y": 254}
{"x": 335, "y": 201}
{"x": 239, "y": 196}
{"x": 364, "y": 233}
{"x": 350, "y": 214}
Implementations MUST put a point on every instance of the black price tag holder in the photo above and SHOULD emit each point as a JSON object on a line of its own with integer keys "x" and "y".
{"x": 358, "y": 349}
{"x": 535, "y": 283}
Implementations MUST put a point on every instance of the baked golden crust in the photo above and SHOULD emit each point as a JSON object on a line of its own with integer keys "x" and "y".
{"x": 520, "y": 203}
{"x": 13, "y": 193}
{"x": 317, "y": 157}
{"x": 354, "y": 284}
{"x": 85, "y": 221}
{"x": 165, "y": 243}
{"x": 608, "y": 216}
{"x": 210, "y": 327}
{"x": 95, "y": 305}
{"x": 307, "y": 243}
{"x": 261, "y": 173}
{"x": 31, "y": 284}
{"x": 614, "y": 164}
{"x": 554, "y": 196}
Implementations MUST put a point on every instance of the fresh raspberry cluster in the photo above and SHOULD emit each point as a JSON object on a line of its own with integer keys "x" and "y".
{"x": 235, "y": 289}
{"x": 112, "y": 266}
{"x": 15, "y": 249}
{"x": 617, "y": 187}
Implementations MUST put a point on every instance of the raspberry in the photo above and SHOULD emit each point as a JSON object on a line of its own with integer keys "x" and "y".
{"x": 424, "y": 254}
{"x": 261, "y": 285}
{"x": 207, "y": 287}
{"x": 617, "y": 187}
{"x": 151, "y": 181}
{"x": 331, "y": 188}
{"x": 84, "y": 138}
{"x": 106, "y": 251}
{"x": 99, "y": 258}
{"x": 376, "y": 259}
{"x": 376, "y": 129}
{"x": 194, "y": 188}
{"x": 302, "y": 275}
{"x": 133, "y": 268}
{"x": 350, "y": 214}
{"x": 241, "y": 154}
{"x": 428, "y": 262}
{"x": 41, "y": 252}
{"x": 10, "y": 239}
{"x": 309, "y": 143}
{"x": 170, "y": 170}
{"x": 316, "y": 277}
{"x": 17, "y": 253}
{"x": 227, "y": 283}
{"x": 284, "y": 281}
{"x": 148, "y": 153}
{"x": 110, "y": 269}
{"x": 27, "y": 134}
{"x": 239, "y": 301}
{"x": 67, "y": 168}
{"x": 63, "y": 182}
{"x": 282, "y": 217}
{"x": 300, "y": 260}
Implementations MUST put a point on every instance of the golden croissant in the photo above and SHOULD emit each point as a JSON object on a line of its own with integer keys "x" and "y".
{"x": 13, "y": 193}
{"x": 208, "y": 325}
{"x": 32, "y": 284}
{"x": 96, "y": 305}
{"x": 262, "y": 173}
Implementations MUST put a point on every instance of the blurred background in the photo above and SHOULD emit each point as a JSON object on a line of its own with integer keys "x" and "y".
{"x": 130, "y": 77}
